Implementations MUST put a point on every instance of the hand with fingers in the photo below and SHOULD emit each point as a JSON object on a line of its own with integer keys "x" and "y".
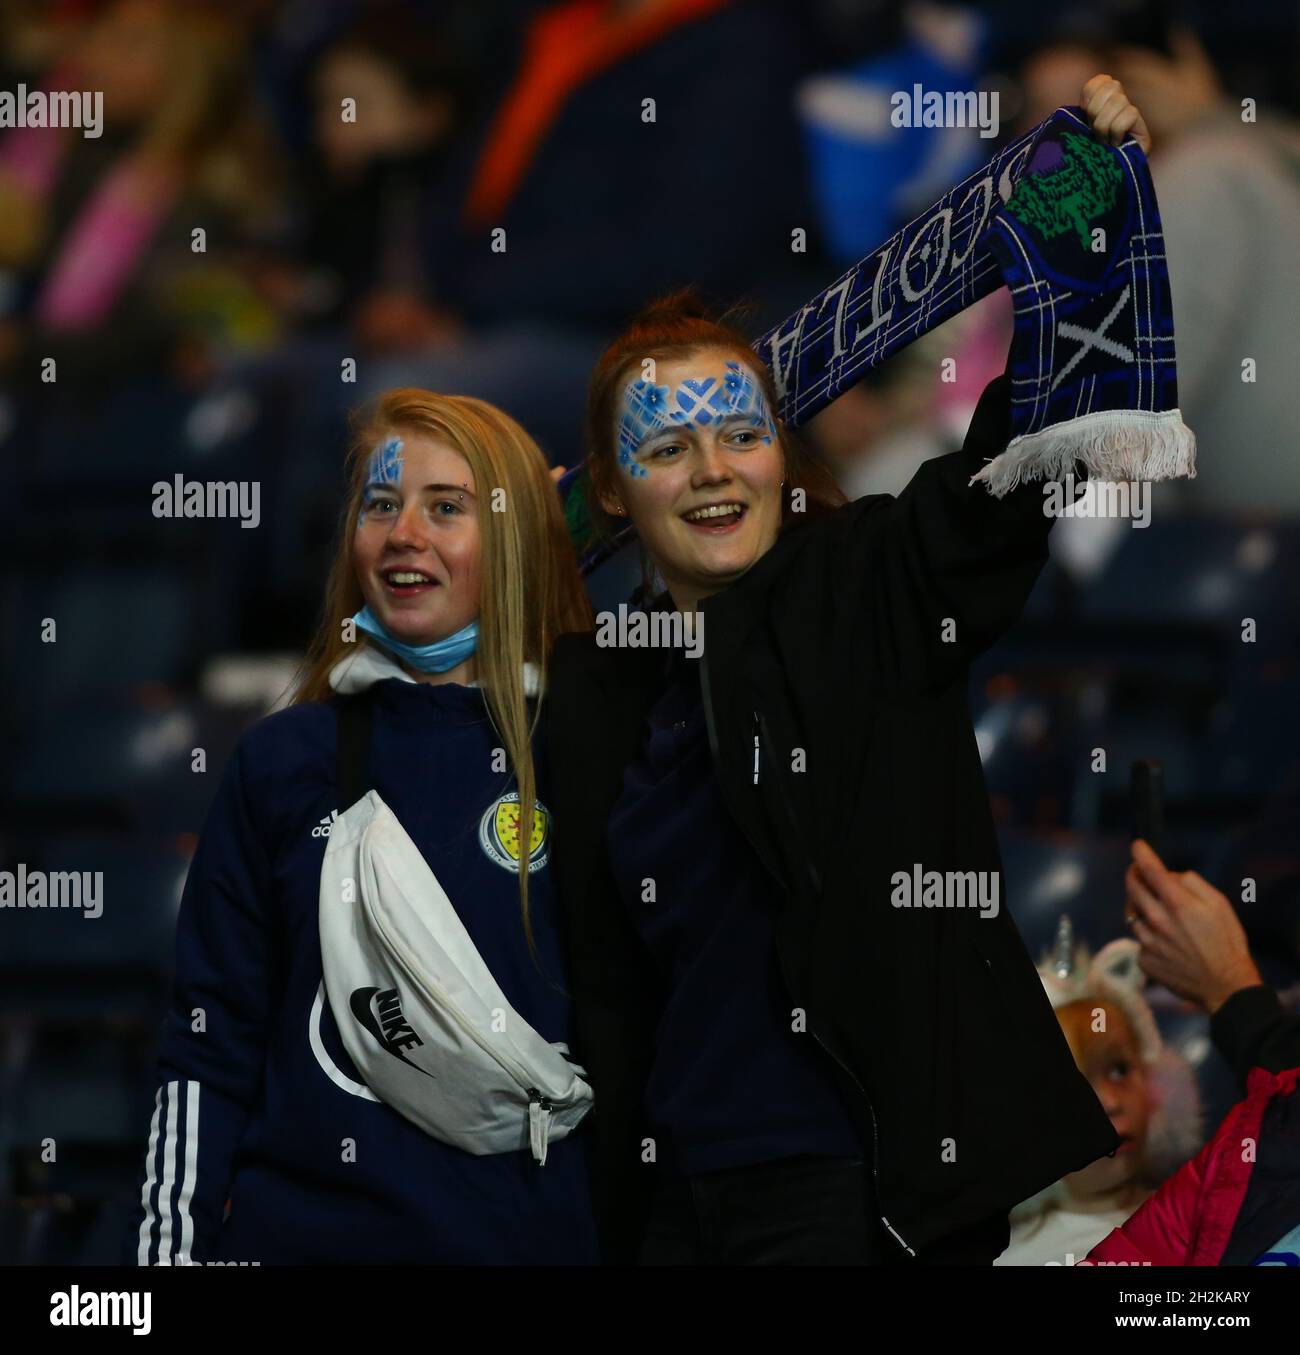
{"x": 1111, "y": 115}
{"x": 1192, "y": 940}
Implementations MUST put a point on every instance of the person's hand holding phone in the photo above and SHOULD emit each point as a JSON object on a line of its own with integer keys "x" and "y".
{"x": 1192, "y": 940}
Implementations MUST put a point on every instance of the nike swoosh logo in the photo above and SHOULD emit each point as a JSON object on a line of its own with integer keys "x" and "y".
{"x": 360, "y": 1004}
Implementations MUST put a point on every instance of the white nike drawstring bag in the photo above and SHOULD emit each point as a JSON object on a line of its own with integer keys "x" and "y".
{"x": 420, "y": 1014}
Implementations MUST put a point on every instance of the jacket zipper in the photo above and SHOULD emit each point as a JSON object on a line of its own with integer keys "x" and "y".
{"x": 875, "y": 1132}
{"x": 759, "y": 729}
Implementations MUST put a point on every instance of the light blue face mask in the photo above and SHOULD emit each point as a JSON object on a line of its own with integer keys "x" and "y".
{"x": 438, "y": 657}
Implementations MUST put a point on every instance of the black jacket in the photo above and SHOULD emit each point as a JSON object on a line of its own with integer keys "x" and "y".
{"x": 848, "y": 640}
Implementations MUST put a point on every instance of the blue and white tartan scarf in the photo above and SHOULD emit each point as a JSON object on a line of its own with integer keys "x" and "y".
{"x": 1071, "y": 226}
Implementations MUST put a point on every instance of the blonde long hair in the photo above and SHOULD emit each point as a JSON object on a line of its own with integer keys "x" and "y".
{"x": 531, "y": 589}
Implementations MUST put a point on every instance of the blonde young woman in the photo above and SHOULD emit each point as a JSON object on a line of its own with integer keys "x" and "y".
{"x": 302, "y": 1120}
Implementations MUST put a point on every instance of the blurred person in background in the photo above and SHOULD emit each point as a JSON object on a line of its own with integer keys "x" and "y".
{"x": 368, "y": 197}
{"x": 1193, "y": 942}
{"x": 1264, "y": 852}
{"x": 1237, "y": 1202}
{"x": 571, "y": 157}
{"x": 267, "y": 1143}
{"x": 1230, "y": 190}
{"x": 1228, "y": 184}
{"x": 636, "y": 145}
{"x": 111, "y": 283}
{"x": 1229, "y": 195}
{"x": 1146, "y": 1088}
{"x": 869, "y": 175}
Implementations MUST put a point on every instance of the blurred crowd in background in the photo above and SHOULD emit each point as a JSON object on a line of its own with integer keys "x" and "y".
{"x": 326, "y": 240}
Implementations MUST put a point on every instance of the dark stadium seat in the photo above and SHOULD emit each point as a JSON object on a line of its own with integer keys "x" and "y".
{"x": 66, "y": 965}
{"x": 1199, "y": 571}
{"x": 120, "y": 761}
{"x": 114, "y": 625}
{"x": 1046, "y": 874}
{"x": 1032, "y": 738}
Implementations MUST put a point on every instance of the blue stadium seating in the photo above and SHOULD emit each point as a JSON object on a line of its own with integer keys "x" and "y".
{"x": 65, "y": 965}
{"x": 1200, "y": 571}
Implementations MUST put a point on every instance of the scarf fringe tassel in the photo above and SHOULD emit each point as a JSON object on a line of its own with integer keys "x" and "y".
{"x": 1114, "y": 444}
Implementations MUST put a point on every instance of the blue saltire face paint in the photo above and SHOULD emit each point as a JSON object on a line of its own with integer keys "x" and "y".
{"x": 649, "y": 409}
{"x": 384, "y": 471}
{"x": 438, "y": 657}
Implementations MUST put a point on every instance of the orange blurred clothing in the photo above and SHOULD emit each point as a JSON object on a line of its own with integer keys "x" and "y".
{"x": 565, "y": 46}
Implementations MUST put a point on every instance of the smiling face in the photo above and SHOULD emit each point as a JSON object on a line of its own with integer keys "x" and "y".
{"x": 1111, "y": 1062}
{"x": 416, "y": 549}
{"x": 699, "y": 470}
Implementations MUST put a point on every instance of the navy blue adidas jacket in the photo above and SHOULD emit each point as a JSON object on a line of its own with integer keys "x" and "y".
{"x": 264, "y": 1145}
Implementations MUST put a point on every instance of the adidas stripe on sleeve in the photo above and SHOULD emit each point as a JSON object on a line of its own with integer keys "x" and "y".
{"x": 214, "y": 1041}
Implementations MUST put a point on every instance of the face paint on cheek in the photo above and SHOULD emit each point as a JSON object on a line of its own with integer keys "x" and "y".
{"x": 385, "y": 469}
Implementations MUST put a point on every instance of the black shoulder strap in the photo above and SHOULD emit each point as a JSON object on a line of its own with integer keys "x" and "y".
{"x": 355, "y": 717}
